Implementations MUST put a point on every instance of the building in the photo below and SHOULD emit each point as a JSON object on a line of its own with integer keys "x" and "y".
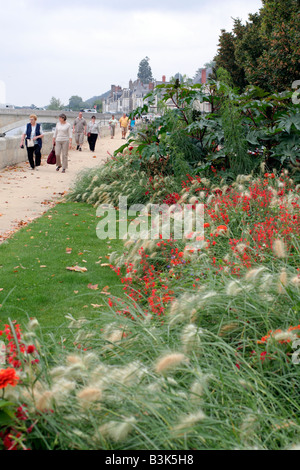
{"x": 125, "y": 100}
{"x": 201, "y": 79}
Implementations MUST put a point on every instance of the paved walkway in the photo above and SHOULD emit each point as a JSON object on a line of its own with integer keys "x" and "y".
{"x": 26, "y": 194}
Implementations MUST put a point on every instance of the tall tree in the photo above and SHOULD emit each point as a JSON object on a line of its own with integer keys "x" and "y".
{"x": 226, "y": 59}
{"x": 266, "y": 51}
{"x": 55, "y": 104}
{"x": 76, "y": 103}
{"x": 145, "y": 72}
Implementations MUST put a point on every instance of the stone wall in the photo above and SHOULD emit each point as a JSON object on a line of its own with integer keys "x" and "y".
{"x": 11, "y": 153}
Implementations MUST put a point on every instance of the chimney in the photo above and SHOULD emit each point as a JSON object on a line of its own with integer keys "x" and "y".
{"x": 164, "y": 79}
{"x": 151, "y": 86}
{"x": 203, "y": 76}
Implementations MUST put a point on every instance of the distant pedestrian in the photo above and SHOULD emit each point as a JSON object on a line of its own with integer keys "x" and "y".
{"x": 33, "y": 135}
{"x": 79, "y": 128}
{"x": 93, "y": 130}
{"x": 124, "y": 125}
{"x": 63, "y": 142}
{"x": 132, "y": 124}
{"x": 112, "y": 123}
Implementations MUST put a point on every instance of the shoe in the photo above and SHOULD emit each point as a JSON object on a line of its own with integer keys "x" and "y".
{"x": 77, "y": 147}
{"x": 58, "y": 168}
{"x": 80, "y": 150}
{"x": 63, "y": 171}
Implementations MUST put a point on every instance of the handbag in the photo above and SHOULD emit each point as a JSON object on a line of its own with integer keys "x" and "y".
{"x": 30, "y": 143}
{"x": 51, "y": 160}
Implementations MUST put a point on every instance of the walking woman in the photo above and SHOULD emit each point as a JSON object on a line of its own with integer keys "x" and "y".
{"x": 33, "y": 135}
{"x": 93, "y": 131}
{"x": 112, "y": 124}
{"x": 62, "y": 141}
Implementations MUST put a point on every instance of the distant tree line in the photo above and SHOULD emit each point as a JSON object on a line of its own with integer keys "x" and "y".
{"x": 76, "y": 103}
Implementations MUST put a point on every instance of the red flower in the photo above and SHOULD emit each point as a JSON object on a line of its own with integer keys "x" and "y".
{"x": 8, "y": 377}
{"x": 30, "y": 349}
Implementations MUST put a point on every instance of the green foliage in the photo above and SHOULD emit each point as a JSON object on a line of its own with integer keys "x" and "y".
{"x": 55, "y": 104}
{"x": 76, "y": 103}
{"x": 240, "y": 132}
{"x": 265, "y": 51}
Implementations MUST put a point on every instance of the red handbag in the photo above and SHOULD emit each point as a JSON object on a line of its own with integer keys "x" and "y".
{"x": 51, "y": 160}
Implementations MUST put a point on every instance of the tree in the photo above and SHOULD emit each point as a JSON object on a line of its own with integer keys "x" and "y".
{"x": 145, "y": 72}
{"x": 76, "y": 103}
{"x": 55, "y": 104}
{"x": 227, "y": 60}
{"x": 265, "y": 52}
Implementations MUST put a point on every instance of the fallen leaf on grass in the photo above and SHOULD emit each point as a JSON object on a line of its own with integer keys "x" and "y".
{"x": 43, "y": 266}
{"x": 76, "y": 291}
{"x": 77, "y": 269}
{"x": 68, "y": 251}
{"x": 104, "y": 264}
{"x": 97, "y": 306}
{"x": 105, "y": 290}
{"x": 93, "y": 287}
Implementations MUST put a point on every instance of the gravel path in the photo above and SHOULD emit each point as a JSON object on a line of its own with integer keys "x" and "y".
{"x": 26, "y": 194}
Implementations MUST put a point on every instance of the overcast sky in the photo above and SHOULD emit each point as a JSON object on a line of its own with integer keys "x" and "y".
{"x": 73, "y": 47}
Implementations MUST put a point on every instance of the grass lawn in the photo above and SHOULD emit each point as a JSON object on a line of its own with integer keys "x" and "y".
{"x": 34, "y": 281}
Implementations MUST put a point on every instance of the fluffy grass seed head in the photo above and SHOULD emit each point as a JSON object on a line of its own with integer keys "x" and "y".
{"x": 118, "y": 431}
{"x": 170, "y": 362}
{"x": 279, "y": 249}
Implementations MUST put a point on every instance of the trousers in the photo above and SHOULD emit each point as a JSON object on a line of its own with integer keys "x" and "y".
{"x": 61, "y": 152}
{"x": 36, "y": 151}
{"x": 92, "y": 141}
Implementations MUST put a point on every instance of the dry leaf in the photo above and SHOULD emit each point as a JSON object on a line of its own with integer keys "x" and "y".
{"x": 97, "y": 306}
{"x": 77, "y": 269}
{"x": 93, "y": 287}
{"x": 105, "y": 264}
{"x": 68, "y": 251}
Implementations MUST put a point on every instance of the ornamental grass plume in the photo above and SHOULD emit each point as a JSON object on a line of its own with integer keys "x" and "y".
{"x": 248, "y": 428}
{"x": 187, "y": 423}
{"x": 45, "y": 401}
{"x": 234, "y": 288}
{"x": 116, "y": 430}
{"x": 89, "y": 395}
{"x": 283, "y": 281}
{"x": 190, "y": 338}
{"x": 196, "y": 392}
{"x": 279, "y": 249}
{"x": 254, "y": 273}
{"x": 296, "y": 281}
{"x": 170, "y": 362}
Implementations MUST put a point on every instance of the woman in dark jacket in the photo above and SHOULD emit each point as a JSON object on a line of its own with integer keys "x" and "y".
{"x": 33, "y": 135}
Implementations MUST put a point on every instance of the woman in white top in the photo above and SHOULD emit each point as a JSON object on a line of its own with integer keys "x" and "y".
{"x": 62, "y": 141}
{"x": 93, "y": 132}
{"x": 112, "y": 124}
